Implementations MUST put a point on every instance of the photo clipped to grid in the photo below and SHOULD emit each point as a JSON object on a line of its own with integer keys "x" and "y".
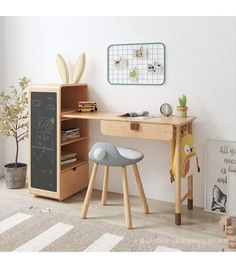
{"x": 136, "y": 64}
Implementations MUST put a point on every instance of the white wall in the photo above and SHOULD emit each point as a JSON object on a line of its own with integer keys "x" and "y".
{"x": 1, "y": 88}
{"x": 201, "y": 63}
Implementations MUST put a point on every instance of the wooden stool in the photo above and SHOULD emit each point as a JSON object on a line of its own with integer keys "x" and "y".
{"x": 109, "y": 155}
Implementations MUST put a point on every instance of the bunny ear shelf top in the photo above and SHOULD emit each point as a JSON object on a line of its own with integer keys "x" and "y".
{"x": 62, "y": 69}
{"x": 79, "y": 68}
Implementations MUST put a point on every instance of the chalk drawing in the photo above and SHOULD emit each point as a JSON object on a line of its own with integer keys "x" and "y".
{"x": 50, "y": 107}
{"x": 44, "y": 135}
{"x": 36, "y": 103}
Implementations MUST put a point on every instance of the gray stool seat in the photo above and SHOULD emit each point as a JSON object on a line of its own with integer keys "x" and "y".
{"x": 109, "y": 155}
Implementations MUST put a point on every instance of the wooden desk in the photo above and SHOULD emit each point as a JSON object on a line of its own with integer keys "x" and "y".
{"x": 160, "y": 128}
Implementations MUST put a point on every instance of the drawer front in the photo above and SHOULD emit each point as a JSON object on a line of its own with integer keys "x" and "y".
{"x": 73, "y": 181}
{"x": 137, "y": 129}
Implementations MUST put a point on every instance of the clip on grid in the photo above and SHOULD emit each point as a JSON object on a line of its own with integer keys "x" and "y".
{"x": 136, "y": 64}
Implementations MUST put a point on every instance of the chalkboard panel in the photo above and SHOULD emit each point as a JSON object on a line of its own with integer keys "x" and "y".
{"x": 44, "y": 140}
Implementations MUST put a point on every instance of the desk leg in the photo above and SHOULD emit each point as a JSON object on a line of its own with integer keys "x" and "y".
{"x": 178, "y": 178}
{"x": 190, "y": 180}
{"x": 190, "y": 192}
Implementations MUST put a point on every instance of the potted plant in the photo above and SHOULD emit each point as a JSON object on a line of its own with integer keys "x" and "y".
{"x": 182, "y": 109}
{"x": 14, "y": 123}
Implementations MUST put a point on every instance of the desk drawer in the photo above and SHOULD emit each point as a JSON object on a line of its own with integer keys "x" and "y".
{"x": 137, "y": 130}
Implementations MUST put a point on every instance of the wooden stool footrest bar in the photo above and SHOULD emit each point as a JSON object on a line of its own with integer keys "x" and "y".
{"x": 185, "y": 197}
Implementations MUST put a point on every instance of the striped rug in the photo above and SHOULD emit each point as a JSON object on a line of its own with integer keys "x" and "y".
{"x": 23, "y": 229}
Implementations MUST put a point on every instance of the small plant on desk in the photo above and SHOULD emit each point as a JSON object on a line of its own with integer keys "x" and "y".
{"x": 182, "y": 108}
{"x": 14, "y": 123}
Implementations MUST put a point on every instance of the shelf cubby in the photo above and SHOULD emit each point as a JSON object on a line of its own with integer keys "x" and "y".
{"x": 70, "y": 141}
{"x": 72, "y": 165}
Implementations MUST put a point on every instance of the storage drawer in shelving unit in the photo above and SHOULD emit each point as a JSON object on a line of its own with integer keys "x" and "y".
{"x": 74, "y": 180}
{"x": 137, "y": 129}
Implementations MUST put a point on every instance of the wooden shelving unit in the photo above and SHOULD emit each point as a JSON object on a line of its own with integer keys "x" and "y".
{"x": 73, "y": 140}
{"x": 70, "y": 178}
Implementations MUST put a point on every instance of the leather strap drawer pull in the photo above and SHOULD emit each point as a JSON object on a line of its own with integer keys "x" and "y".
{"x": 134, "y": 126}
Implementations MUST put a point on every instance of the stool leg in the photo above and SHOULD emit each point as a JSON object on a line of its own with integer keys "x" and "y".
{"x": 140, "y": 188}
{"x": 190, "y": 191}
{"x": 89, "y": 192}
{"x": 105, "y": 185}
{"x": 128, "y": 219}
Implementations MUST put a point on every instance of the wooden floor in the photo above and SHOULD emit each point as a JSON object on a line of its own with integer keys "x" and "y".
{"x": 196, "y": 224}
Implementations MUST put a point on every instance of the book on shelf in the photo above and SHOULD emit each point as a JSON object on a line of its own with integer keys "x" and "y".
{"x": 67, "y": 161}
{"x": 63, "y": 139}
{"x": 72, "y": 133}
{"x": 67, "y": 154}
{"x": 68, "y": 157}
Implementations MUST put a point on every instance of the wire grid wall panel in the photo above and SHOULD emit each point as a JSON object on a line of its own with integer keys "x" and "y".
{"x": 153, "y": 53}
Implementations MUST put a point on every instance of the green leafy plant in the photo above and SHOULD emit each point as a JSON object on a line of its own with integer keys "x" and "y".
{"x": 14, "y": 113}
{"x": 183, "y": 101}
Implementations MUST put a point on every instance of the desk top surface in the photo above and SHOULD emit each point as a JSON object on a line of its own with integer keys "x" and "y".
{"x": 112, "y": 116}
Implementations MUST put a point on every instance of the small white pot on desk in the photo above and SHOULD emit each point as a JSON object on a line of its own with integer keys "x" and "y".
{"x": 182, "y": 108}
{"x": 182, "y": 111}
